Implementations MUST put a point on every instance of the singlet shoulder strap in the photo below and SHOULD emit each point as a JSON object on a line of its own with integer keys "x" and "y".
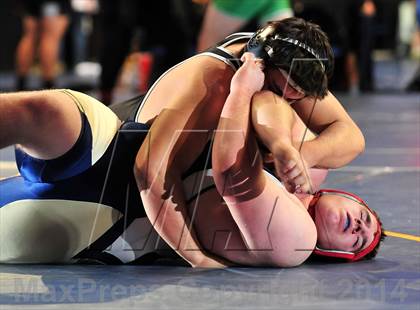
{"x": 235, "y": 37}
{"x": 220, "y": 52}
{"x": 223, "y": 55}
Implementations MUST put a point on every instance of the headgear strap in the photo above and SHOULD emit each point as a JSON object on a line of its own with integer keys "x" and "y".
{"x": 349, "y": 256}
{"x": 307, "y": 48}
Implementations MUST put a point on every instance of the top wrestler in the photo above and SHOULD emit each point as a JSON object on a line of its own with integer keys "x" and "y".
{"x": 297, "y": 61}
{"x": 57, "y": 148}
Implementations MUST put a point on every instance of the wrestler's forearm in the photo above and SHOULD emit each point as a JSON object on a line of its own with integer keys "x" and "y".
{"x": 339, "y": 139}
{"x": 232, "y": 130}
{"x": 335, "y": 147}
{"x": 233, "y": 151}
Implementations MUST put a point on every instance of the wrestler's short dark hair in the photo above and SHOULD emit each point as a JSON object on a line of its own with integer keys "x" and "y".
{"x": 304, "y": 68}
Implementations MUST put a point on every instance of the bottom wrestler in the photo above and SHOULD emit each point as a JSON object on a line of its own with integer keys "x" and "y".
{"x": 76, "y": 198}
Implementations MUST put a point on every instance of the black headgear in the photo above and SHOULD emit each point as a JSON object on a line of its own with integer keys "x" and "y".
{"x": 260, "y": 44}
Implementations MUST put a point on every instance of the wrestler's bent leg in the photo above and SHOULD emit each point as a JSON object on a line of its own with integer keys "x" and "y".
{"x": 45, "y": 124}
{"x": 51, "y": 212}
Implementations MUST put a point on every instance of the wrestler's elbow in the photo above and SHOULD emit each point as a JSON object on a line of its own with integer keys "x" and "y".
{"x": 352, "y": 144}
{"x": 292, "y": 259}
{"x": 282, "y": 258}
{"x": 359, "y": 142}
{"x": 362, "y": 143}
{"x": 291, "y": 247}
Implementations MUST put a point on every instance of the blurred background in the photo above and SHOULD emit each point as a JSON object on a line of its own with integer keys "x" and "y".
{"x": 114, "y": 49}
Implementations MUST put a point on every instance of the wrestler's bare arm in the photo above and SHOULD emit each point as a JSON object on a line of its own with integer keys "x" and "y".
{"x": 280, "y": 129}
{"x": 45, "y": 123}
{"x": 274, "y": 224}
{"x": 162, "y": 195}
{"x": 173, "y": 143}
{"x": 339, "y": 139}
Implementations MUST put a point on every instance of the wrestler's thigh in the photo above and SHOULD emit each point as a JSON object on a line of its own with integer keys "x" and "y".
{"x": 50, "y": 123}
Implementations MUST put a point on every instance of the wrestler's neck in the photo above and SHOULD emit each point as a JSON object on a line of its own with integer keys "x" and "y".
{"x": 305, "y": 199}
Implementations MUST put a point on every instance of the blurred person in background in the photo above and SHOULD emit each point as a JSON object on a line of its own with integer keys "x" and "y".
{"x": 361, "y": 34}
{"x": 81, "y": 28}
{"x": 223, "y": 17}
{"x": 44, "y": 24}
{"x": 331, "y": 21}
{"x": 406, "y": 28}
{"x": 414, "y": 84}
{"x": 164, "y": 31}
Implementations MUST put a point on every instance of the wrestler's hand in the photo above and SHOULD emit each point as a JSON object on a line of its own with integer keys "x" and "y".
{"x": 291, "y": 168}
{"x": 249, "y": 79}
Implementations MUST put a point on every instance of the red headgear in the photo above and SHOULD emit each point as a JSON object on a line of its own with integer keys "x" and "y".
{"x": 349, "y": 256}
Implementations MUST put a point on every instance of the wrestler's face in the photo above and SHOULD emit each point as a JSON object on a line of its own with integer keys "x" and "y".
{"x": 278, "y": 81}
{"x": 343, "y": 224}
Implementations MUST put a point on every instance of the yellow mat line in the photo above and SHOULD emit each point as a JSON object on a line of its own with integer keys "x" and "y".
{"x": 403, "y": 236}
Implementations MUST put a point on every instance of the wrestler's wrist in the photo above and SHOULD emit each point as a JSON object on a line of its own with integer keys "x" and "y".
{"x": 278, "y": 146}
{"x": 243, "y": 93}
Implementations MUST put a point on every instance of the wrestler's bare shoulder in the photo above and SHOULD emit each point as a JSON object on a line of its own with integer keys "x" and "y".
{"x": 200, "y": 80}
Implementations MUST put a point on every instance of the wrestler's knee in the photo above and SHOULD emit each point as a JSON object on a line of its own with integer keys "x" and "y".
{"x": 38, "y": 109}
{"x": 47, "y": 112}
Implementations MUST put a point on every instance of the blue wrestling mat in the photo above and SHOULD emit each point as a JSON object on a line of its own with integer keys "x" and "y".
{"x": 387, "y": 175}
